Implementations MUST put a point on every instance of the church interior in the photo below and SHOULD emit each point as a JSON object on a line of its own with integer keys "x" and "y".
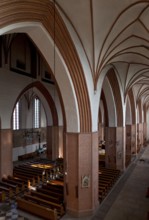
{"x": 74, "y": 107}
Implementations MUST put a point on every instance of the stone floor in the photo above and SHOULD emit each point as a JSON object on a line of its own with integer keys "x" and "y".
{"x": 126, "y": 201}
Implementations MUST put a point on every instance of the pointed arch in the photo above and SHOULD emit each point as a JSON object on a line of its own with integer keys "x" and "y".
{"x": 117, "y": 96}
{"x": 109, "y": 101}
{"x": 139, "y": 111}
{"x": 128, "y": 112}
{"x": 144, "y": 113}
{"x": 133, "y": 106}
{"x": 106, "y": 117}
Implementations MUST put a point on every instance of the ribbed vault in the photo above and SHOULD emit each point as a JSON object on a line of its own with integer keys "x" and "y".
{"x": 112, "y": 33}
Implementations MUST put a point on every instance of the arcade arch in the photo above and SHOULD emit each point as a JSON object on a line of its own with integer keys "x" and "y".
{"x": 114, "y": 146}
{"x": 52, "y": 120}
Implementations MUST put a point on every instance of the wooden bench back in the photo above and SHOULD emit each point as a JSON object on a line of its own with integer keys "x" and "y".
{"x": 36, "y": 209}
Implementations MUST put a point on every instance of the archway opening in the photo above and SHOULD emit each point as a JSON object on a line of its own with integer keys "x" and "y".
{"x": 109, "y": 120}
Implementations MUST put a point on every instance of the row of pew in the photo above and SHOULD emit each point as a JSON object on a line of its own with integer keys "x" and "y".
{"x": 46, "y": 201}
{"x": 44, "y": 194}
{"x": 39, "y": 170}
{"x": 37, "y": 192}
{"x": 37, "y": 187}
{"x": 107, "y": 179}
{"x": 10, "y": 188}
{"x": 13, "y": 186}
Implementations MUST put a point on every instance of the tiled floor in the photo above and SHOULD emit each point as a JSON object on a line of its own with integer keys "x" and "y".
{"x": 127, "y": 200}
{"x": 8, "y": 211}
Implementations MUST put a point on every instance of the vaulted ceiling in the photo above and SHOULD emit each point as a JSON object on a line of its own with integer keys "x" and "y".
{"x": 112, "y": 32}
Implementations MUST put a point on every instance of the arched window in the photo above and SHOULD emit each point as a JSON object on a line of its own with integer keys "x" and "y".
{"x": 16, "y": 117}
{"x": 36, "y": 113}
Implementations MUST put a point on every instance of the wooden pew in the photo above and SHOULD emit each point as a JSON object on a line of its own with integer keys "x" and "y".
{"x": 25, "y": 172}
{"x": 3, "y": 195}
{"x": 50, "y": 193}
{"x": 104, "y": 184}
{"x": 28, "y": 174}
{"x": 8, "y": 192}
{"x": 101, "y": 195}
{"x": 55, "y": 188}
{"x": 52, "y": 205}
{"x": 110, "y": 171}
{"x": 107, "y": 178}
{"x": 36, "y": 209}
{"x": 10, "y": 186}
{"x": 20, "y": 185}
{"x": 46, "y": 197}
{"x": 35, "y": 171}
{"x": 29, "y": 170}
{"x": 25, "y": 177}
{"x": 18, "y": 180}
{"x": 29, "y": 167}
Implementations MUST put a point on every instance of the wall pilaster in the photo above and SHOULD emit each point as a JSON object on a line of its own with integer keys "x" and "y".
{"x": 128, "y": 144}
{"x": 81, "y": 171}
{"x": 6, "y": 166}
{"x": 133, "y": 139}
{"x": 144, "y": 133}
{"x": 54, "y": 142}
{"x": 115, "y": 147}
{"x": 139, "y": 136}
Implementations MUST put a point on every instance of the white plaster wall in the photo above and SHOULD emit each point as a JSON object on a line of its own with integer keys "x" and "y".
{"x": 11, "y": 85}
{"x": 46, "y": 111}
{"x": 110, "y": 103}
{"x": 43, "y": 118}
{"x": 102, "y": 111}
{"x": 56, "y": 100}
{"x": 128, "y": 112}
{"x": 137, "y": 115}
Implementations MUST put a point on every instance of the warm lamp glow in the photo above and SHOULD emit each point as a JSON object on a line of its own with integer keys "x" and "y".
{"x": 32, "y": 188}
